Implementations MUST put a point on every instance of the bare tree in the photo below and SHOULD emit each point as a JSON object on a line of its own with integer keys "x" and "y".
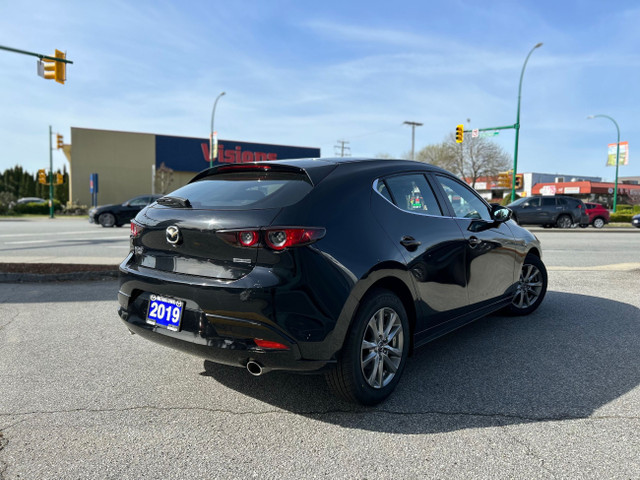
{"x": 438, "y": 154}
{"x": 472, "y": 159}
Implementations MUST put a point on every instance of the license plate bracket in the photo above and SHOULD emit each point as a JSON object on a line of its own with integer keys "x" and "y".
{"x": 165, "y": 312}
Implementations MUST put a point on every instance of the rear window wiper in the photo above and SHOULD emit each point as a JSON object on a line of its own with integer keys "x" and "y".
{"x": 174, "y": 202}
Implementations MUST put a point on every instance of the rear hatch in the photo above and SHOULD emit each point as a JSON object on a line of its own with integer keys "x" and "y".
{"x": 195, "y": 229}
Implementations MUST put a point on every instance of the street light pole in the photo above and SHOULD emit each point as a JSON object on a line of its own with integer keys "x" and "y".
{"x": 413, "y": 136}
{"x": 517, "y": 126}
{"x": 212, "y": 147}
{"x": 615, "y": 193}
{"x": 50, "y": 174}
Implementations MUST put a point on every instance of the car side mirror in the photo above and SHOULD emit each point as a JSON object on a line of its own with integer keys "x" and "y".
{"x": 500, "y": 213}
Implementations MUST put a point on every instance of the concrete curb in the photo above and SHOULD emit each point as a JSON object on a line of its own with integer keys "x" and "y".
{"x": 58, "y": 277}
{"x": 32, "y": 272}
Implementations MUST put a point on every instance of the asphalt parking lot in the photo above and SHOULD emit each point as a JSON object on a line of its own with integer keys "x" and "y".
{"x": 553, "y": 395}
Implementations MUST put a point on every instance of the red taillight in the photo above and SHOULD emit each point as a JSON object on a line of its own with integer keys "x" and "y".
{"x": 269, "y": 344}
{"x": 279, "y": 239}
{"x": 248, "y": 239}
{"x": 136, "y": 229}
{"x": 274, "y": 238}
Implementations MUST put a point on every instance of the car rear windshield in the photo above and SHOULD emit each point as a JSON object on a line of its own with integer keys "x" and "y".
{"x": 246, "y": 189}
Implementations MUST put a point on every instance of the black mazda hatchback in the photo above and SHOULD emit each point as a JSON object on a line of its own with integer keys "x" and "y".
{"x": 340, "y": 266}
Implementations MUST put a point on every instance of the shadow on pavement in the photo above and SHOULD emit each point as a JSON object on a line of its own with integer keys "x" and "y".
{"x": 574, "y": 355}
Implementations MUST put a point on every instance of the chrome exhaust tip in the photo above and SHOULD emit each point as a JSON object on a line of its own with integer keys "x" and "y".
{"x": 254, "y": 368}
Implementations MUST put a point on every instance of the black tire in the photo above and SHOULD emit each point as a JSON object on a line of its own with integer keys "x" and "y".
{"x": 370, "y": 365}
{"x": 107, "y": 219}
{"x": 598, "y": 222}
{"x": 564, "y": 221}
{"x": 532, "y": 287}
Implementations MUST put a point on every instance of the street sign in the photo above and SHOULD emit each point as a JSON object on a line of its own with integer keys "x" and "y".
{"x": 489, "y": 134}
{"x": 474, "y": 133}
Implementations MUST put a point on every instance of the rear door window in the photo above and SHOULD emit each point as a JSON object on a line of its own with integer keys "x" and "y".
{"x": 139, "y": 201}
{"x": 246, "y": 189}
{"x": 548, "y": 202}
{"x": 412, "y": 193}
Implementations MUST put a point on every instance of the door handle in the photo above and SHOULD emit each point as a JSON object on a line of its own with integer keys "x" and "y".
{"x": 410, "y": 243}
{"x": 474, "y": 241}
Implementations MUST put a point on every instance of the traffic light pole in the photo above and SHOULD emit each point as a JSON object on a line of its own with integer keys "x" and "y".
{"x": 50, "y": 175}
{"x": 517, "y": 126}
{"x": 506, "y": 127}
{"x": 33, "y": 54}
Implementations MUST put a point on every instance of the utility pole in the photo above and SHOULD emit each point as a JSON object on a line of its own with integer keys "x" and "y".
{"x": 343, "y": 148}
{"x": 413, "y": 136}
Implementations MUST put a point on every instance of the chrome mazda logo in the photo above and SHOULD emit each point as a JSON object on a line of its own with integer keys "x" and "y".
{"x": 173, "y": 235}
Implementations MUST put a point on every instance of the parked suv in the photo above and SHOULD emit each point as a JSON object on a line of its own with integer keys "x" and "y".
{"x": 598, "y": 215}
{"x": 559, "y": 211}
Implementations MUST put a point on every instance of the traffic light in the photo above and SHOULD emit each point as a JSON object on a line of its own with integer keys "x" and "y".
{"x": 459, "y": 133}
{"x": 519, "y": 181}
{"x": 49, "y": 69}
{"x": 42, "y": 176}
{"x": 61, "y": 68}
{"x": 504, "y": 179}
{"x": 59, "y": 179}
{"x": 54, "y": 70}
{"x": 59, "y": 140}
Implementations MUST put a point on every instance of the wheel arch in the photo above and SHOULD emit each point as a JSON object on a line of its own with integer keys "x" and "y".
{"x": 534, "y": 251}
{"x": 403, "y": 292}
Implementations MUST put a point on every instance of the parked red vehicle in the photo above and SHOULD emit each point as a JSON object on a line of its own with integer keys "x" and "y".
{"x": 598, "y": 215}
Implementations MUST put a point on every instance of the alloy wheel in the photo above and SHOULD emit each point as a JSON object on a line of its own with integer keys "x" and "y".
{"x": 529, "y": 287}
{"x": 382, "y": 348}
{"x": 564, "y": 221}
{"x": 107, "y": 220}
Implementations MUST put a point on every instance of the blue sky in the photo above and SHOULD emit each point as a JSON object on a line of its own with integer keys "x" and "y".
{"x": 310, "y": 74}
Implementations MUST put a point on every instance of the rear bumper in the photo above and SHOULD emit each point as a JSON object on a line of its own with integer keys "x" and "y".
{"x": 233, "y": 351}
{"x": 222, "y": 319}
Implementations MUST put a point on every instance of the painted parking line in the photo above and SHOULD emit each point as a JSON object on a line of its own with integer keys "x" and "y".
{"x": 64, "y": 240}
{"x": 615, "y": 267}
{"x": 80, "y": 232}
